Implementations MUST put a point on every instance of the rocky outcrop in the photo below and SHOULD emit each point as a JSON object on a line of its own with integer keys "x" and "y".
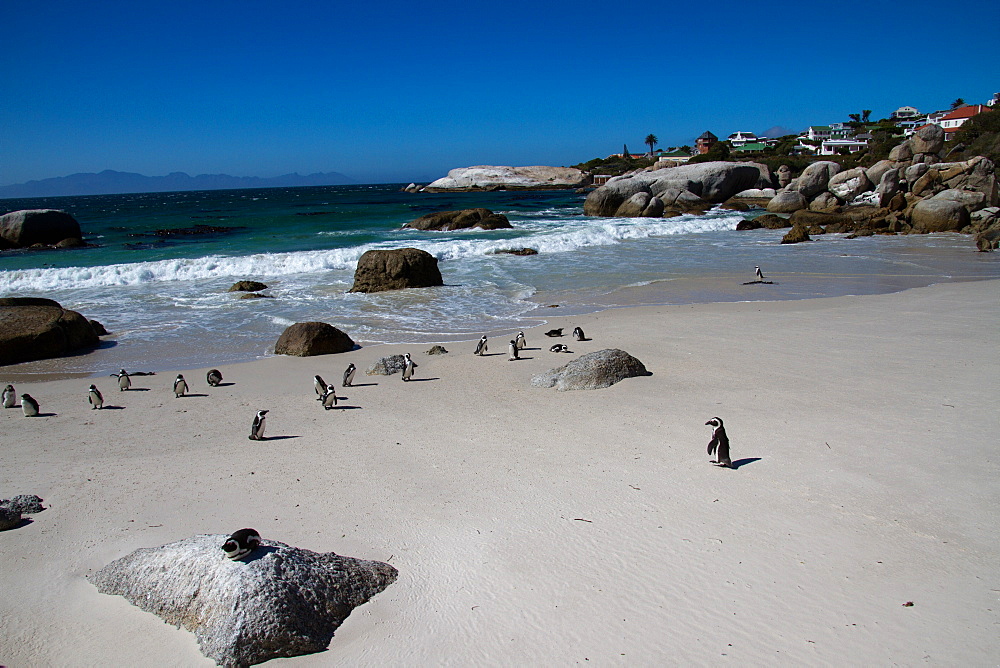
{"x": 25, "y": 504}
{"x": 247, "y": 286}
{"x": 305, "y": 339}
{"x": 35, "y": 329}
{"x": 797, "y": 234}
{"x": 9, "y": 518}
{"x": 592, "y": 371}
{"x": 928, "y": 139}
{"x": 490, "y": 177}
{"x": 825, "y": 202}
{"x": 707, "y": 182}
{"x": 21, "y": 229}
{"x": 787, "y": 201}
{"x": 380, "y": 270}
{"x": 444, "y": 221}
{"x": 386, "y": 366}
{"x": 847, "y": 185}
{"x": 939, "y": 215}
{"x": 815, "y": 178}
{"x": 279, "y": 601}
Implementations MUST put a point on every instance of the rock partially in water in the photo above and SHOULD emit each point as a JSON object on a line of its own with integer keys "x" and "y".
{"x": 464, "y": 219}
{"x": 247, "y": 286}
{"x": 397, "y": 269}
{"x": 279, "y": 601}
{"x": 36, "y": 328}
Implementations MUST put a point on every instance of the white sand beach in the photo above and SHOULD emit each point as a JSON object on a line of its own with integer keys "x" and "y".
{"x": 536, "y": 527}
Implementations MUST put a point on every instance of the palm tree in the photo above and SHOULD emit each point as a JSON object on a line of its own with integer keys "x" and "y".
{"x": 651, "y": 141}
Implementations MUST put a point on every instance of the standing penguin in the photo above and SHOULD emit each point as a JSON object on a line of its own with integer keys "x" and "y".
{"x": 320, "y": 386}
{"x": 520, "y": 341}
{"x": 513, "y": 351}
{"x": 329, "y": 398}
{"x": 29, "y": 406}
{"x": 578, "y": 334}
{"x": 214, "y": 377}
{"x": 409, "y": 365}
{"x": 180, "y": 386}
{"x": 9, "y": 397}
{"x": 720, "y": 442}
{"x": 349, "y": 374}
{"x": 241, "y": 543}
{"x": 124, "y": 382}
{"x": 481, "y": 346}
{"x": 257, "y": 428}
{"x": 95, "y": 398}
{"x": 757, "y": 272}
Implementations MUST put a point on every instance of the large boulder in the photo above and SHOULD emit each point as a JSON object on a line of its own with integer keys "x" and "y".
{"x": 460, "y": 220}
{"x": 396, "y": 269}
{"x": 492, "y": 177}
{"x": 279, "y": 601}
{"x": 21, "y": 229}
{"x": 35, "y": 329}
{"x": 712, "y": 182}
{"x": 787, "y": 201}
{"x": 784, "y": 176}
{"x": 928, "y": 139}
{"x": 901, "y": 152}
{"x": 643, "y": 205}
{"x": 970, "y": 199}
{"x": 849, "y": 184}
{"x": 876, "y": 171}
{"x": 592, "y": 371}
{"x": 888, "y": 186}
{"x": 825, "y": 202}
{"x": 815, "y": 178}
{"x": 939, "y": 215}
{"x": 305, "y": 339}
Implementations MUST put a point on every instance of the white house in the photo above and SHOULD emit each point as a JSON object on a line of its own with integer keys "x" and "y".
{"x": 740, "y": 138}
{"x": 816, "y": 132}
{"x": 904, "y": 113}
{"x": 830, "y": 146}
{"x": 951, "y": 122}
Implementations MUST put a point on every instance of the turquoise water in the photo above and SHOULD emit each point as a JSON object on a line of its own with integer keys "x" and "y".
{"x": 165, "y": 299}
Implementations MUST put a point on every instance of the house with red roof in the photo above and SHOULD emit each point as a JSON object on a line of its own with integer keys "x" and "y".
{"x": 952, "y": 121}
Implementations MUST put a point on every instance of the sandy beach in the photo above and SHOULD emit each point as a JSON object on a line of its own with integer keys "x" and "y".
{"x": 536, "y": 527}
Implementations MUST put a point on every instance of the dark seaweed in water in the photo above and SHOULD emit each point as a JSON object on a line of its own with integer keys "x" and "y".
{"x": 188, "y": 231}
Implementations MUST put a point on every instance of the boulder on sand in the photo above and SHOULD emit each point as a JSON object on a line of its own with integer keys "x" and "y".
{"x": 592, "y": 371}
{"x": 460, "y": 220}
{"x": 380, "y": 270}
{"x": 34, "y": 329}
{"x": 24, "y": 228}
{"x": 305, "y": 339}
{"x": 279, "y": 601}
{"x": 386, "y": 366}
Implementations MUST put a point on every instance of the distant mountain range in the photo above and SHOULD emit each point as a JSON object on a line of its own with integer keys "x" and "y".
{"x": 110, "y": 182}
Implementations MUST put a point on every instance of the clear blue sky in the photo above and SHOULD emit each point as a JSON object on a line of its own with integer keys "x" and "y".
{"x": 400, "y": 91}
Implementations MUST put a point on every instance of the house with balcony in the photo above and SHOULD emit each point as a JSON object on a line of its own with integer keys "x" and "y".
{"x": 834, "y": 146}
{"x": 951, "y": 122}
{"x": 816, "y": 133}
{"x": 904, "y": 114}
{"x": 741, "y": 138}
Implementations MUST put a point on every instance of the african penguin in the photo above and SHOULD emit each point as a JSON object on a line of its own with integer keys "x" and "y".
{"x": 95, "y": 398}
{"x": 481, "y": 347}
{"x": 180, "y": 386}
{"x": 124, "y": 382}
{"x": 578, "y": 334}
{"x": 320, "y": 386}
{"x": 409, "y": 365}
{"x": 241, "y": 543}
{"x": 29, "y": 406}
{"x": 513, "y": 351}
{"x": 349, "y": 375}
{"x": 559, "y": 348}
{"x": 520, "y": 341}
{"x": 554, "y": 332}
{"x": 719, "y": 442}
{"x": 329, "y": 398}
{"x": 214, "y": 377}
{"x": 757, "y": 272}
{"x": 9, "y": 397}
{"x": 257, "y": 428}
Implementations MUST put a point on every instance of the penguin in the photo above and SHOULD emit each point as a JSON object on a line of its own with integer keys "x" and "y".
{"x": 214, "y": 377}
{"x": 257, "y": 428}
{"x": 481, "y": 347}
{"x": 124, "y": 382}
{"x": 241, "y": 543}
{"x": 9, "y": 397}
{"x": 180, "y": 387}
{"x": 320, "y": 386}
{"x": 29, "y": 406}
{"x": 349, "y": 375}
{"x": 513, "y": 351}
{"x": 329, "y": 398}
{"x": 559, "y": 348}
{"x": 757, "y": 272}
{"x": 520, "y": 341}
{"x": 554, "y": 332}
{"x": 95, "y": 398}
{"x": 719, "y": 442}
{"x": 578, "y": 334}
{"x": 409, "y": 365}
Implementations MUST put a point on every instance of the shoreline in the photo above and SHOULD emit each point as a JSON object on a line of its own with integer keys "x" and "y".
{"x": 866, "y": 480}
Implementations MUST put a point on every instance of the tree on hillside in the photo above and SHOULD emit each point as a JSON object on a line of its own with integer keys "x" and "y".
{"x": 866, "y": 114}
{"x": 651, "y": 141}
{"x": 855, "y": 117}
{"x": 957, "y": 103}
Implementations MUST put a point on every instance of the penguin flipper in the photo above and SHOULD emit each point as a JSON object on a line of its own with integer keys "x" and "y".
{"x": 712, "y": 445}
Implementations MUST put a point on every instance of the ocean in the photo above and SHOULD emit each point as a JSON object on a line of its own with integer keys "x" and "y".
{"x": 165, "y": 299}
